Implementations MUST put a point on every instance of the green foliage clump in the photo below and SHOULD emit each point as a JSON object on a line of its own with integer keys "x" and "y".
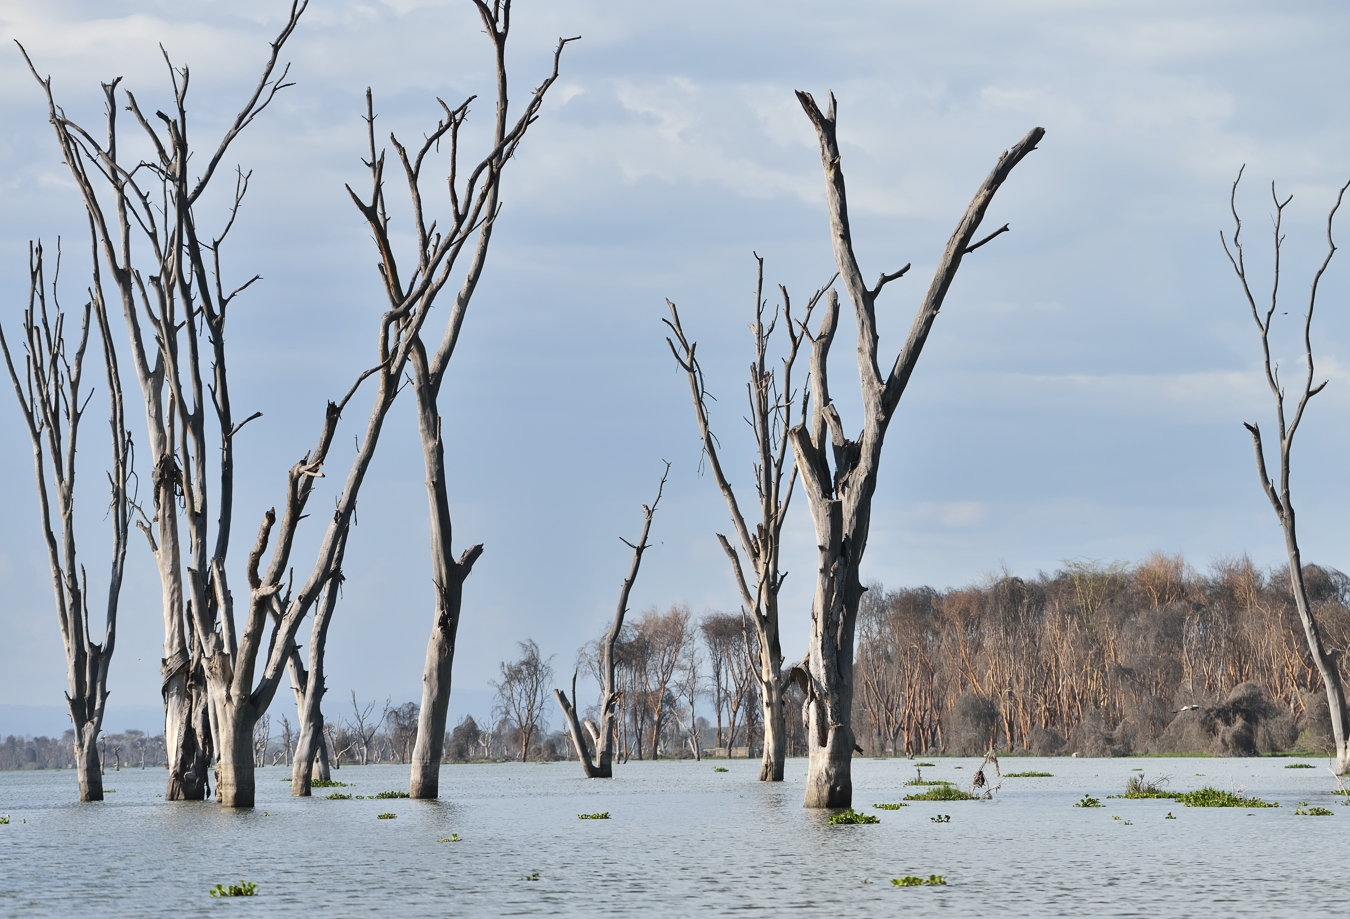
{"x": 453, "y": 837}
{"x": 1088, "y": 801}
{"x": 889, "y": 807}
{"x": 532, "y": 877}
{"x": 598, "y": 815}
{"x": 242, "y": 889}
{"x": 387, "y": 817}
{"x": 851, "y": 817}
{"x": 909, "y": 880}
{"x": 719, "y": 768}
{"x": 941, "y": 818}
{"x": 1215, "y": 797}
{"x": 1028, "y": 775}
{"x": 339, "y": 796}
{"x": 944, "y": 792}
{"x": 1313, "y": 812}
{"x": 921, "y": 765}
{"x": 1300, "y": 766}
{"x": 4, "y": 819}
{"x": 390, "y": 794}
{"x": 325, "y": 783}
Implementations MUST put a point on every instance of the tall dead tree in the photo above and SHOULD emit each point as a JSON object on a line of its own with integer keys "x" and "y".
{"x": 474, "y": 205}
{"x": 839, "y": 475}
{"x": 49, "y": 395}
{"x": 147, "y": 205}
{"x": 1277, "y": 489}
{"x": 595, "y": 744}
{"x": 772, "y": 399}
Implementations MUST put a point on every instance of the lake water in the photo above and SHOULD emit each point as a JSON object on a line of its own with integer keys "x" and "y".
{"x": 682, "y": 839}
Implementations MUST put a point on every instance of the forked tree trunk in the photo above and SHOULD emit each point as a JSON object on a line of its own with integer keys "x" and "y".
{"x": 1278, "y": 491}
{"x": 840, "y": 498}
{"x": 596, "y": 751}
{"x": 449, "y": 572}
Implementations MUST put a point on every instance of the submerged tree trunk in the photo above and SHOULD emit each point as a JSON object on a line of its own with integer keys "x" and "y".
{"x": 449, "y": 572}
{"x": 1278, "y": 492}
{"x": 840, "y": 498}
{"x": 596, "y": 751}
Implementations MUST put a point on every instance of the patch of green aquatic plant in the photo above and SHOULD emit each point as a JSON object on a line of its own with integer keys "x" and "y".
{"x": 922, "y": 765}
{"x": 909, "y": 880}
{"x": 1300, "y": 766}
{"x": 1139, "y": 787}
{"x": 945, "y": 792}
{"x": 851, "y": 817}
{"x": 889, "y": 807}
{"x": 598, "y": 815}
{"x": 532, "y": 877}
{"x": 923, "y": 782}
{"x": 1088, "y": 801}
{"x": 1217, "y": 797}
{"x": 1341, "y": 791}
{"x": 1313, "y": 812}
{"x": 242, "y": 889}
{"x": 1169, "y": 816}
{"x": 339, "y": 796}
{"x": 453, "y": 837}
{"x": 324, "y": 783}
{"x": 719, "y": 769}
{"x": 110, "y": 791}
{"x": 1028, "y": 775}
{"x": 941, "y": 818}
{"x": 387, "y": 817}
{"x": 390, "y": 794}
{"x": 4, "y": 819}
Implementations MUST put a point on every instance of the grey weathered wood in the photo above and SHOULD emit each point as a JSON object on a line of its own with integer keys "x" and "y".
{"x": 595, "y": 745}
{"x": 839, "y": 475}
{"x": 1278, "y": 492}
{"x": 772, "y": 399}
{"x": 473, "y": 211}
{"x": 49, "y": 396}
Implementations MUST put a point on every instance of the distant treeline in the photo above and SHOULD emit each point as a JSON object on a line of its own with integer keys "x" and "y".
{"x": 116, "y": 751}
{"x": 1099, "y": 660}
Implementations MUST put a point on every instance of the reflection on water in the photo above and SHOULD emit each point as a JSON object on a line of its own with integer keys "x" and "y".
{"x": 681, "y": 838}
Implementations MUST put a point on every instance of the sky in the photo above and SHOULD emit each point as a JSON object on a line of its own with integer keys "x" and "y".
{"x": 1081, "y": 396}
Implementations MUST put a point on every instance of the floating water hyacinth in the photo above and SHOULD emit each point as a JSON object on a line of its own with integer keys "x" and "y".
{"x": 242, "y": 889}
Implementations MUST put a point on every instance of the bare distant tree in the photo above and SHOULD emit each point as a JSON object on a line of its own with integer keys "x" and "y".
{"x": 666, "y": 636}
{"x": 473, "y": 206}
{"x": 262, "y": 736}
{"x": 401, "y": 723}
{"x": 286, "y": 738}
{"x": 772, "y": 399}
{"x": 840, "y": 498}
{"x": 596, "y": 751}
{"x": 179, "y": 293}
{"x": 522, "y": 691}
{"x": 49, "y": 395}
{"x": 365, "y": 727}
{"x": 732, "y": 660}
{"x": 689, "y": 686}
{"x": 1278, "y": 491}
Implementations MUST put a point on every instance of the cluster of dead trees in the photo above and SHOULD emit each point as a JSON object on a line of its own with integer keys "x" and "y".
{"x": 158, "y": 258}
{"x": 1100, "y": 660}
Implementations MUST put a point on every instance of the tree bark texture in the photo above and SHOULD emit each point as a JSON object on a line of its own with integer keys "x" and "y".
{"x": 595, "y": 746}
{"x": 839, "y": 475}
{"x": 1279, "y": 492}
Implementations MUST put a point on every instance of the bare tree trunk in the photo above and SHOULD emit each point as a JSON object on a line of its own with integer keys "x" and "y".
{"x": 309, "y": 747}
{"x": 840, "y": 499}
{"x": 771, "y": 404}
{"x": 449, "y": 572}
{"x": 49, "y": 396}
{"x": 1328, "y": 667}
{"x": 602, "y": 765}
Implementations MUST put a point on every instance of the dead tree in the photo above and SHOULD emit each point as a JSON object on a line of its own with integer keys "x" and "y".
{"x": 148, "y": 206}
{"x": 595, "y": 745}
{"x": 772, "y": 399}
{"x": 474, "y": 204}
{"x": 840, "y": 498}
{"x": 49, "y": 395}
{"x": 1277, "y": 489}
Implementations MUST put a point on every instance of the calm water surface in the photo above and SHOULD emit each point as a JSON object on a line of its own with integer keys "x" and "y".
{"x": 682, "y": 839}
